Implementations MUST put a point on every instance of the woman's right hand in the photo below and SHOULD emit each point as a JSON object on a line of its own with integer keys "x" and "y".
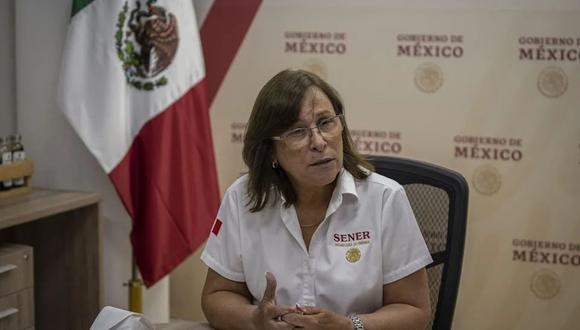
{"x": 268, "y": 315}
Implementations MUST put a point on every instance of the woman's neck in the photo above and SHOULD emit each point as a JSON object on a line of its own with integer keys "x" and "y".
{"x": 314, "y": 197}
{"x": 311, "y": 206}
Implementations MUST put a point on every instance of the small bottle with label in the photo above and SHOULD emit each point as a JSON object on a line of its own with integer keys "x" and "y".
{"x": 5, "y": 158}
{"x": 18, "y": 154}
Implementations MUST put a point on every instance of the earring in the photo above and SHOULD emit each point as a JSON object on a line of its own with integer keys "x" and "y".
{"x": 274, "y": 164}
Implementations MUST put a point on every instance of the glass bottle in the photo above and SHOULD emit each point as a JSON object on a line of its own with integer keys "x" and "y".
{"x": 18, "y": 154}
{"x": 5, "y": 158}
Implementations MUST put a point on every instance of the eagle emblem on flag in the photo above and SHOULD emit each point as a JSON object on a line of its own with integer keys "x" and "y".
{"x": 146, "y": 41}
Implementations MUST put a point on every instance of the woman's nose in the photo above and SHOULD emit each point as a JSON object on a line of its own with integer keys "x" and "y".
{"x": 317, "y": 141}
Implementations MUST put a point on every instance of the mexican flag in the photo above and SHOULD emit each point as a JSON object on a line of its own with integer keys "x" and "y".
{"x": 132, "y": 85}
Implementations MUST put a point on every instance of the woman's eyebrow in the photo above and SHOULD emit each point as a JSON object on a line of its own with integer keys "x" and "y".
{"x": 302, "y": 124}
{"x": 298, "y": 124}
{"x": 325, "y": 113}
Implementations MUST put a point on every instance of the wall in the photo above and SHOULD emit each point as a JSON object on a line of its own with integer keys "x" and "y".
{"x": 7, "y": 77}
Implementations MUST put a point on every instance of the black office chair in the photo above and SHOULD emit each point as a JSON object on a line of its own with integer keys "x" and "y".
{"x": 438, "y": 197}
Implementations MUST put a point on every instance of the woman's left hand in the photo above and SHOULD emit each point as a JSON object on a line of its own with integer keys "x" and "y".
{"x": 314, "y": 318}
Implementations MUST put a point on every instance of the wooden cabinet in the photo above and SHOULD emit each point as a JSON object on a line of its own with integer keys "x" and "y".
{"x": 16, "y": 287}
{"x": 64, "y": 230}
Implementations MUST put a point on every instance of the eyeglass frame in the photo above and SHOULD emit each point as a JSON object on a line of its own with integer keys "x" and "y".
{"x": 340, "y": 116}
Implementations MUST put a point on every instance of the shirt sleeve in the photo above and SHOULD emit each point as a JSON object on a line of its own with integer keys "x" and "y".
{"x": 404, "y": 249}
{"x": 222, "y": 252}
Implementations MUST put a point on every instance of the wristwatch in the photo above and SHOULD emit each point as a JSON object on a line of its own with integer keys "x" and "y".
{"x": 357, "y": 323}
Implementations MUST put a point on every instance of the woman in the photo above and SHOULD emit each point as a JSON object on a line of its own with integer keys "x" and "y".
{"x": 311, "y": 238}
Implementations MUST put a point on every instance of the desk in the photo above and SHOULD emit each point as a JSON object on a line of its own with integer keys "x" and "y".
{"x": 64, "y": 229}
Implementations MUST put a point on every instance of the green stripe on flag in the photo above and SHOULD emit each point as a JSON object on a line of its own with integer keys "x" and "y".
{"x": 78, "y": 5}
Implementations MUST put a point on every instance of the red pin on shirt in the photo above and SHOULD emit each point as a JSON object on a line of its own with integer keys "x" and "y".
{"x": 217, "y": 225}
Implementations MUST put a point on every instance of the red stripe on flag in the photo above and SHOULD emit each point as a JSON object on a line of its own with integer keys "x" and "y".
{"x": 216, "y": 227}
{"x": 222, "y": 33}
{"x": 168, "y": 184}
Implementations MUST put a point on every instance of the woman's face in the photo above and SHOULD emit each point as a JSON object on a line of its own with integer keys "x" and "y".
{"x": 317, "y": 162}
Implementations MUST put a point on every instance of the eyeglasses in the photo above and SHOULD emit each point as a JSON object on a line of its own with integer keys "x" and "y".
{"x": 299, "y": 137}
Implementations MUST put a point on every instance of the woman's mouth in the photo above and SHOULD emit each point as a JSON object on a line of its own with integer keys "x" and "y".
{"x": 322, "y": 162}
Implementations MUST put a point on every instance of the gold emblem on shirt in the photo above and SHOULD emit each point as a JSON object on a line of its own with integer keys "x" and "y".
{"x": 353, "y": 255}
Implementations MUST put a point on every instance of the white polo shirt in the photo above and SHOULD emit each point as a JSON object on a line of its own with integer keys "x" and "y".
{"x": 369, "y": 238}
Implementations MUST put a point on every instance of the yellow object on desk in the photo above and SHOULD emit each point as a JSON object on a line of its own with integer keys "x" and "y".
{"x": 23, "y": 168}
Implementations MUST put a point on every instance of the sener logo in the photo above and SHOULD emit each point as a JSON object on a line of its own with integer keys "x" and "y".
{"x": 358, "y": 236}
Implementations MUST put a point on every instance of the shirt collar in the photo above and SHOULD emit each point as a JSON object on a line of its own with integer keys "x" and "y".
{"x": 345, "y": 185}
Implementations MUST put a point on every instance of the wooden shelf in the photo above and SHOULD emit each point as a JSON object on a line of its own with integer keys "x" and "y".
{"x": 64, "y": 228}
{"x": 42, "y": 203}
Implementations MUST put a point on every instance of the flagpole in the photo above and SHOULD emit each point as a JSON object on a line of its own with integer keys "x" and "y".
{"x": 135, "y": 290}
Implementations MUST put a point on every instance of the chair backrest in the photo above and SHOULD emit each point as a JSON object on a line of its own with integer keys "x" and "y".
{"x": 438, "y": 197}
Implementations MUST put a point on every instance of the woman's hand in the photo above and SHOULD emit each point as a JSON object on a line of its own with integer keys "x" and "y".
{"x": 314, "y": 318}
{"x": 268, "y": 315}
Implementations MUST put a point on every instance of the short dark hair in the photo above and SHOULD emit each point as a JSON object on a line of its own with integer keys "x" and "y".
{"x": 276, "y": 109}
